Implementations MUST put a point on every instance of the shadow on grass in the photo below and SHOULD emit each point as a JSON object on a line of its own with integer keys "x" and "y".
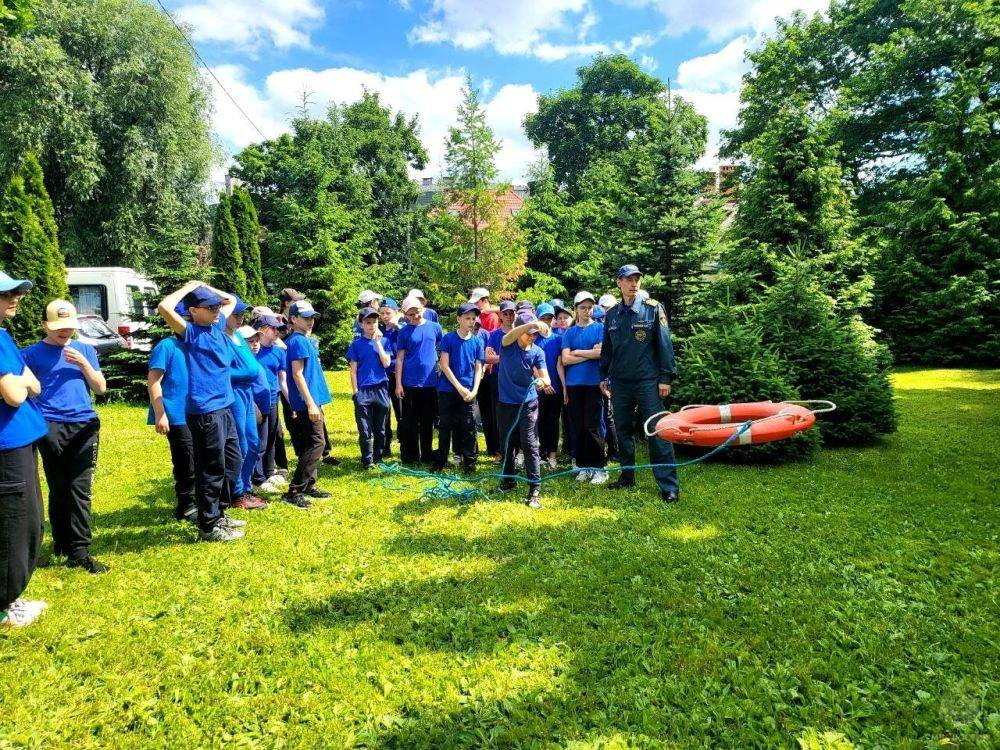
{"x": 146, "y": 523}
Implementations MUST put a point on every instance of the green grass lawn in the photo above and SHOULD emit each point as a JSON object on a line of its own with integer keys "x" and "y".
{"x": 856, "y": 594}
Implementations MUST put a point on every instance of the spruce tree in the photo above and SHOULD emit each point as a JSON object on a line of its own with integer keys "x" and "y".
{"x": 24, "y": 252}
{"x": 248, "y": 233}
{"x": 227, "y": 261}
{"x": 53, "y": 283}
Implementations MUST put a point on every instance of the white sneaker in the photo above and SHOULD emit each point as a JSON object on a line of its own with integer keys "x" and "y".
{"x": 278, "y": 480}
{"x": 584, "y": 475}
{"x": 552, "y": 463}
{"x": 599, "y": 477}
{"x": 519, "y": 460}
{"x": 270, "y": 488}
{"x": 22, "y": 613}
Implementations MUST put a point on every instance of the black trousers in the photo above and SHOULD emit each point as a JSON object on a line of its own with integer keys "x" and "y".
{"x": 416, "y": 429}
{"x": 217, "y": 463}
{"x": 308, "y": 442}
{"x": 524, "y": 437}
{"x": 550, "y": 406}
{"x": 182, "y": 459}
{"x": 586, "y": 407}
{"x": 458, "y": 429}
{"x": 396, "y": 409}
{"x": 371, "y": 414}
{"x": 286, "y": 417}
{"x": 269, "y": 432}
{"x": 568, "y": 438}
{"x": 69, "y": 455}
{"x": 20, "y": 520}
{"x": 487, "y": 398}
{"x": 611, "y": 433}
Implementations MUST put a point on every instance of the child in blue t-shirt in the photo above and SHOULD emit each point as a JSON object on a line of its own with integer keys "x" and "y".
{"x": 68, "y": 371}
{"x": 201, "y": 321}
{"x": 390, "y": 324}
{"x": 550, "y": 400}
{"x": 21, "y": 427}
{"x": 370, "y": 387}
{"x": 581, "y": 356}
{"x": 274, "y": 360}
{"x": 522, "y": 373}
{"x": 416, "y": 383}
{"x": 167, "y": 385}
{"x": 462, "y": 356}
{"x": 308, "y": 393}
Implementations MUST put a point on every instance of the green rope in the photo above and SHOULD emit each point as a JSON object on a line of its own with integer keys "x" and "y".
{"x": 464, "y": 489}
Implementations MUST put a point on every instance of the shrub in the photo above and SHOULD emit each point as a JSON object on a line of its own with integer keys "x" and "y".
{"x": 727, "y": 362}
{"x": 829, "y": 356}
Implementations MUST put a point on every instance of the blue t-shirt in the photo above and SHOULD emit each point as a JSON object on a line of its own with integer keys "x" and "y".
{"x": 462, "y": 357}
{"x": 517, "y": 375}
{"x": 420, "y": 363}
{"x": 552, "y": 348}
{"x": 168, "y": 357}
{"x": 65, "y": 394}
{"x": 370, "y": 371}
{"x": 299, "y": 347}
{"x": 273, "y": 359}
{"x": 209, "y": 356}
{"x": 19, "y": 425}
{"x": 245, "y": 366}
{"x": 431, "y": 315}
{"x": 588, "y": 372}
{"x": 390, "y": 339}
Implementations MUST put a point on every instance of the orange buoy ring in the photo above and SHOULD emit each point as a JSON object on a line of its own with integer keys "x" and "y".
{"x": 710, "y": 426}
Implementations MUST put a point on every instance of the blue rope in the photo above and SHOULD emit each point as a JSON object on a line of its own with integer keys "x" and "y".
{"x": 442, "y": 486}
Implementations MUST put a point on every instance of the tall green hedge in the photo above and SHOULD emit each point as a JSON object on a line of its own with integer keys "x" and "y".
{"x": 227, "y": 260}
{"x": 248, "y": 234}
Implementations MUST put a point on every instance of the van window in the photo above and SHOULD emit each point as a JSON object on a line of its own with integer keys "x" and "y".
{"x": 136, "y": 304}
{"x": 90, "y": 299}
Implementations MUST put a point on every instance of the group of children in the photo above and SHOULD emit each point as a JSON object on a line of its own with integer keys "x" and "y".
{"x": 525, "y": 371}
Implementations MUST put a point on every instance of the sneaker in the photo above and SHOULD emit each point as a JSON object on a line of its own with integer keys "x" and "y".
{"x": 599, "y": 477}
{"x": 277, "y": 479}
{"x": 534, "y": 500}
{"x": 572, "y": 464}
{"x": 331, "y": 461}
{"x": 518, "y": 460}
{"x": 220, "y": 533}
{"x": 497, "y": 458}
{"x": 22, "y": 613}
{"x": 88, "y": 563}
{"x": 553, "y": 465}
{"x": 249, "y": 502}
{"x": 296, "y": 500}
{"x": 456, "y": 459}
{"x": 584, "y": 475}
{"x": 270, "y": 488}
{"x": 187, "y": 514}
{"x": 669, "y": 497}
{"x": 283, "y": 473}
{"x": 231, "y": 523}
{"x": 318, "y": 493}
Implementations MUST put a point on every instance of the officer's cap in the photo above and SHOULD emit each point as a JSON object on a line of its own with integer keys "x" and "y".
{"x": 628, "y": 270}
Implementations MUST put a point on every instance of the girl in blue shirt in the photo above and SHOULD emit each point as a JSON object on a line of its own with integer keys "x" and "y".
{"x": 21, "y": 427}
{"x": 581, "y": 357}
{"x": 167, "y": 385}
{"x": 522, "y": 372}
{"x": 68, "y": 371}
{"x": 370, "y": 387}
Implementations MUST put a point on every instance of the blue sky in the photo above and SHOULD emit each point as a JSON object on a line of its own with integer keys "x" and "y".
{"x": 416, "y": 53}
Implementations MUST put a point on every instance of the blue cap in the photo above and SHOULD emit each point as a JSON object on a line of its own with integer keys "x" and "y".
{"x": 597, "y": 313}
{"x": 181, "y": 309}
{"x": 467, "y": 307}
{"x": 629, "y": 270}
{"x": 524, "y": 304}
{"x": 559, "y": 306}
{"x": 202, "y": 296}
{"x": 301, "y": 309}
{"x": 7, "y": 284}
{"x": 390, "y": 303}
{"x": 525, "y": 318}
{"x": 368, "y": 312}
{"x": 241, "y": 307}
{"x": 262, "y": 321}
{"x": 507, "y": 306}
{"x": 545, "y": 309}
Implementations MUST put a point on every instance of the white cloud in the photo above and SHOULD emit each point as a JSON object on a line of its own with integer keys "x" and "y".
{"x": 649, "y": 63}
{"x": 722, "y": 19}
{"x": 718, "y": 71}
{"x": 551, "y": 52}
{"x": 721, "y": 109}
{"x": 432, "y": 96}
{"x": 247, "y": 23}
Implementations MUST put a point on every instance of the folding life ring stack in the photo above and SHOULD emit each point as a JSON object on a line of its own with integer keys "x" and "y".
{"x": 709, "y": 426}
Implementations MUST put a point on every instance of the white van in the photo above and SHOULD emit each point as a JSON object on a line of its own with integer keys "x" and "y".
{"x": 111, "y": 293}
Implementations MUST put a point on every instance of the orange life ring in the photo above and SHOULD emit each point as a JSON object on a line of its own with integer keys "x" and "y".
{"x": 711, "y": 426}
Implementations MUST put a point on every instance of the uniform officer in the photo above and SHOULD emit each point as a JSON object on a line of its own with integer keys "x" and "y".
{"x": 637, "y": 368}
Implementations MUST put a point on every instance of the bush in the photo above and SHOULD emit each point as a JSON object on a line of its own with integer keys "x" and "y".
{"x": 728, "y": 362}
{"x": 829, "y": 356}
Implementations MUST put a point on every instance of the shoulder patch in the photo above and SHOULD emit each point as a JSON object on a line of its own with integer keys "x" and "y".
{"x": 652, "y": 302}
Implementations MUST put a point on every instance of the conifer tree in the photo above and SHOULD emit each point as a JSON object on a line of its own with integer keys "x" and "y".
{"x": 248, "y": 233}
{"x": 227, "y": 261}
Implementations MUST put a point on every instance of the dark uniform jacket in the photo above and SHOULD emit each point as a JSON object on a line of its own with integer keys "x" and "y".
{"x": 637, "y": 343}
